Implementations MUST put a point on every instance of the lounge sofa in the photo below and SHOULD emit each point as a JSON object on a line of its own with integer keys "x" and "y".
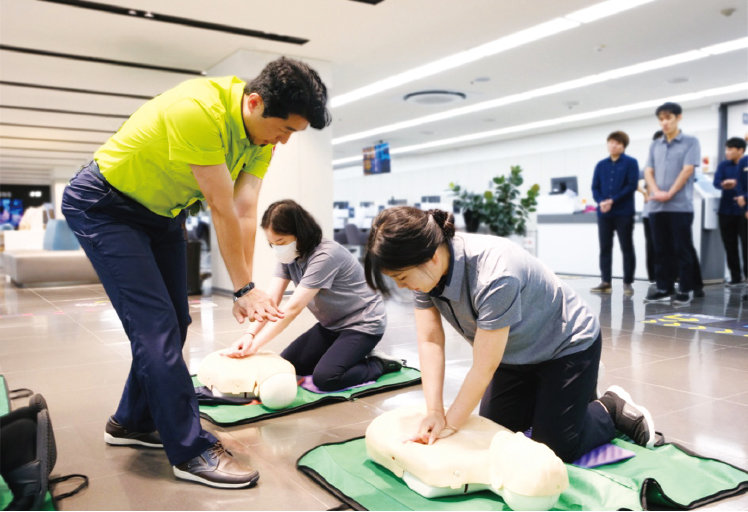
{"x": 60, "y": 261}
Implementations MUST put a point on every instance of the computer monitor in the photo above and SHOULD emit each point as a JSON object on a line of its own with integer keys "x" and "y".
{"x": 341, "y": 205}
{"x": 561, "y": 185}
{"x": 397, "y": 202}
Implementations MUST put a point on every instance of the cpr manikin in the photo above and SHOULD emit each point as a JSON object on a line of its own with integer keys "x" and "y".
{"x": 482, "y": 455}
{"x": 265, "y": 375}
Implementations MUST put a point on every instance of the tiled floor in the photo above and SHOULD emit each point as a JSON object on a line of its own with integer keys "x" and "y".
{"x": 68, "y": 344}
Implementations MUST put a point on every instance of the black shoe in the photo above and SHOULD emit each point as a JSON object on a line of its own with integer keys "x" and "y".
{"x": 682, "y": 299}
{"x": 117, "y": 435}
{"x": 389, "y": 363}
{"x": 216, "y": 467}
{"x": 629, "y": 418}
{"x": 658, "y": 296}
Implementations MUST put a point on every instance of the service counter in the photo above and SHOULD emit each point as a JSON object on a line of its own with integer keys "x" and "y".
{"x": 568, "y": 244}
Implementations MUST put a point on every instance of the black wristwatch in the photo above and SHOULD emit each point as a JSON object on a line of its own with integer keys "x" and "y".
{"x": 242, "y": 292}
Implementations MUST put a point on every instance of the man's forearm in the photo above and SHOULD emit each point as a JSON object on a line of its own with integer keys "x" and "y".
{"x": 248, "y": 227}
{"x": 683, "y": 177}
{"x": 650, "y": 180}
{"x": 229, "y": 237}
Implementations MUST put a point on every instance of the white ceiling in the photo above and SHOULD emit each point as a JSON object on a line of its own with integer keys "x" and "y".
{"x": 46, "y": 127}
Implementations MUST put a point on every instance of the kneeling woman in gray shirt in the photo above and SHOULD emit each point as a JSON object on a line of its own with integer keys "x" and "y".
{"x": 536, "y": 343}
{"x": 330, "y": 282}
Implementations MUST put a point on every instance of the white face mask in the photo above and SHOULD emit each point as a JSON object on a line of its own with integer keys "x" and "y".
{"x": 286, "y": 253}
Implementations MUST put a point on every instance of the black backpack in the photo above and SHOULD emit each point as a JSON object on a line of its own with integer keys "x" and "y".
{"x": 28, "y": 452}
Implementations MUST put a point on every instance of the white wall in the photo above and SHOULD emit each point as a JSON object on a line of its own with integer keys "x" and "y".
{"x": 571, "y": 152}
{"x": 300, "y": 170}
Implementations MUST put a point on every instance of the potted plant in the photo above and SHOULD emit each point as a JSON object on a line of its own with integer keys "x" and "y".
{"x": 503, "y": 209}
{"x": 470, "y": 204}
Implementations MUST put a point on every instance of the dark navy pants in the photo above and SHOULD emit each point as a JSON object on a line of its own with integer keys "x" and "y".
{"x": 555, "y": 399}
{"x": 735, "y": 239}
{"x": 140, "y": 259}
{"x": 674, "y": 251}
{"x": 335, "y": 359}
{"x": 622, "y": 225}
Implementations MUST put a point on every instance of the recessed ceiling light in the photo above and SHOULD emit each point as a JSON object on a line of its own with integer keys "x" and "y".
{"x": 434, "y": 97}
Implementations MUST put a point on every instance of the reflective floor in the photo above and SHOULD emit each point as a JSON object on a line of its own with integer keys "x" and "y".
{"x": 67, "y": 343}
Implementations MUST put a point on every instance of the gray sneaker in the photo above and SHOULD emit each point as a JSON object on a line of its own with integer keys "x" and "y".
{"x": 117, "y": 435}
{"x": 603, "y": 287}
{"x": 628, "y": 289}
{"x": 216, "y": 467}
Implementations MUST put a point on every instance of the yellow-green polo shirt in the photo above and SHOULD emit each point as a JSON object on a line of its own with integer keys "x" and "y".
{"x": 198, "y": 122}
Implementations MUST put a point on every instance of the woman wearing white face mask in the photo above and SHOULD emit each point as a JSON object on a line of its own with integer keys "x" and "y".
{"x": 330, "y": 282}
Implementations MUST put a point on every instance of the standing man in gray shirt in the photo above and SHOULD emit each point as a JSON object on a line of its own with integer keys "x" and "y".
{"x": 669, "y": 170}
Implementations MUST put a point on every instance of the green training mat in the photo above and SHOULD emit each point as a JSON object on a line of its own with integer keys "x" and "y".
{"x": 226, "y": 415}
{"x": 665, "y": 477}
{"x": 4, "y": 398}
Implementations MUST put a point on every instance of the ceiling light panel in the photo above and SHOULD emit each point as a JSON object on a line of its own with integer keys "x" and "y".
{"x": 547, "y": 123}
{"x": 626, "y": 71}
{"x": 502, "y": 44}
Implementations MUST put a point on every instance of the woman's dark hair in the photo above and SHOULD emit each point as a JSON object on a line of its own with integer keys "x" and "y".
{"x": 403, "y": 237}
{"x": 287, "y": 217}
{"x": 289, "y": 86}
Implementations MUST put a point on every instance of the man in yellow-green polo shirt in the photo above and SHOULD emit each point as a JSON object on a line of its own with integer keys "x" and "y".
{"x": 206, "y": 139}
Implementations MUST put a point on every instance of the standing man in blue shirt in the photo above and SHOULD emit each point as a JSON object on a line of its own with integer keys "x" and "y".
{"x": 614, "y": 184}
{"x": 732, "y": 179}
{"x": 669, "y": 171}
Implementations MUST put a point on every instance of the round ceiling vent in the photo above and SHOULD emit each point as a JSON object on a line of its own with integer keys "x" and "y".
{"x": 434, "y": 97}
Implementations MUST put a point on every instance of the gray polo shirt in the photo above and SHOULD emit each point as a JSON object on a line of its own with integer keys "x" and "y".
{"x": 667, "y": 159}
{"x": 495, "y": 283}
{"x": 344, "y": 300}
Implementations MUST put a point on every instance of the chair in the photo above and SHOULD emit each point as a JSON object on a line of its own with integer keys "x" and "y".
{"x": 354, "y": 235}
